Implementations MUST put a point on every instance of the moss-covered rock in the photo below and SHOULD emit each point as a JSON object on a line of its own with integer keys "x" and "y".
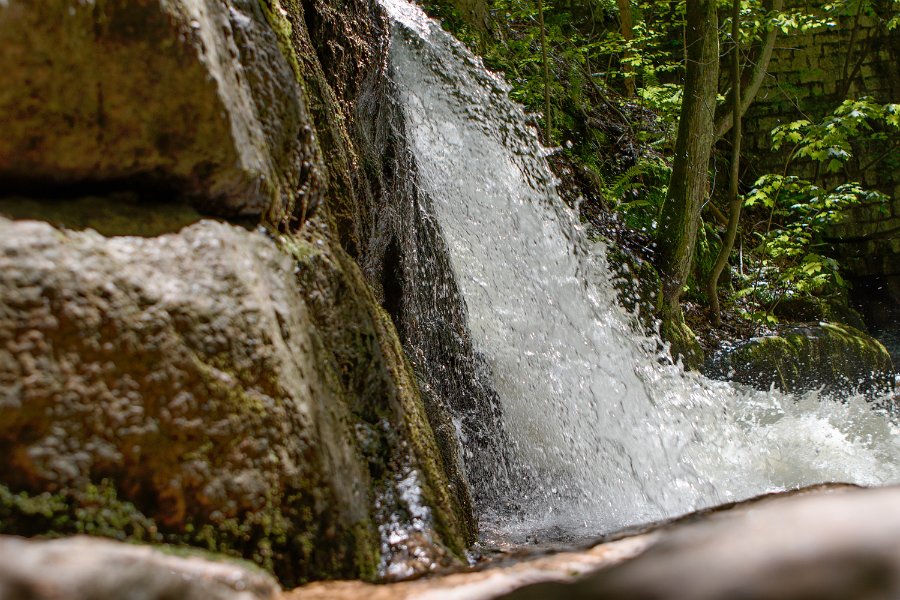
{"x": 340, "y": 55}
{"x": 185, "y": 371}
{"x": 400, "y": 445}
{"x": 806, "y": 309}
{"x": 202, "y": 388}
{"x": 804, "y": 357}
{"x": 192, "y": 96}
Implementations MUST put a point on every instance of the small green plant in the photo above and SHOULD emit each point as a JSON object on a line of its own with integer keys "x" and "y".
{"x": 638, "y": 193}
{"x": 789, "y": 251}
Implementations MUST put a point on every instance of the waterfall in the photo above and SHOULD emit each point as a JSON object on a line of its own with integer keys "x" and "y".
{"x": 595, "y": 429}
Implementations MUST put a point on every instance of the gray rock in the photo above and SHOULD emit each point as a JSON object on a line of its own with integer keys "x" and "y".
{"x": 188, "y": 95}
{"x": 186, "y": 370}
{"x": 84, "y": 568}
{"x": 828, "y": 545}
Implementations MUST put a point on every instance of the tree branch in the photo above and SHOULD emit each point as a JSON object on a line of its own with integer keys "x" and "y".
{"x": 757, "y": 75}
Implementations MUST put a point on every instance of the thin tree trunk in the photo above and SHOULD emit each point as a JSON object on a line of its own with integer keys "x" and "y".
{"x": 548, "y": 124}
{"x": 734, "y": 216}
{"x": 757, "y": 75}
{"x": 846, "y": 76}
{"x": 626, "y": 27}
{"x": 689, "y": 182}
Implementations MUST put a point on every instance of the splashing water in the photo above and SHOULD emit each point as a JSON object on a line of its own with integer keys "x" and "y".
{"x": 603, "y": 433}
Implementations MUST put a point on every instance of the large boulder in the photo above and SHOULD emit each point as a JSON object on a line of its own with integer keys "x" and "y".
{"x": 86, "y": 568}
{"x": 187, "y": 388}
{"x": 190, "y": 96}
{"x": 832, "y": 356}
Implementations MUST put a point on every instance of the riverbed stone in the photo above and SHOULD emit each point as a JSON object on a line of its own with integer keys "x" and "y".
{"x": 194, "y": 97}
{"x": 833, "y": 356}
{"x": 85, "y": 568}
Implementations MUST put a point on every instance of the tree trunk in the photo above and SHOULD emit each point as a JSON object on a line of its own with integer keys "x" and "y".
{"x": 689, "y": 183}
{"x": 734, "y": 198}
{"x": 758, "y": 72}
{"x": 477, "y": 14}
{"x": 626, "y": 27}
{"x": 548, "y": 124}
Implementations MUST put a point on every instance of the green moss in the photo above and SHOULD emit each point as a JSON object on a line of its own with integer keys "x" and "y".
{"x": 95, "y": 510}
{"x": 278, "y": 21}
{"x": 833, "y": 355}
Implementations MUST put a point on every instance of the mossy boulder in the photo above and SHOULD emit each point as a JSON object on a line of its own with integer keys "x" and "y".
{"x": 191, "y": 96}
{"x": 833, "y": 356}
{"x": 200, "y": 388}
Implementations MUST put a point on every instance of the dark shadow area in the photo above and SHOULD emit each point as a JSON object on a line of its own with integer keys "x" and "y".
{"x": 878, "y": 299}
{"x": 392, "y": 285}
{"x": 120, "y": 213}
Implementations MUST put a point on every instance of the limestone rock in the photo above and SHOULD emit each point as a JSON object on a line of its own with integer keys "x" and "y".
{"x": 188, "y": 389}
{"x": 191, "y": 96}
{"x": 84, "y": 568}
{"x": 805, "y": 357}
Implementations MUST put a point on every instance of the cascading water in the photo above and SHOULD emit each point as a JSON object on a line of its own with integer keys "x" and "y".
{"x": 600, "y": 431}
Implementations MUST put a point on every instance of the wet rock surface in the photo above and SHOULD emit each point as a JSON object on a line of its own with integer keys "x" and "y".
{"x": 831, "y": 544}
{"x": 191, "y": 96}
{"x": 83, "y": 568}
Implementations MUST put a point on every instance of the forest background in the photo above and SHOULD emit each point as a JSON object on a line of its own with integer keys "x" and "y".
{"x": 643, "y": 103}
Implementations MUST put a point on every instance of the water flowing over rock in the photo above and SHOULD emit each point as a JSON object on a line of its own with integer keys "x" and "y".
{"x": 86, "y": 568}
{"x": 597, "y": 428}
{"x": 192, "y": 96}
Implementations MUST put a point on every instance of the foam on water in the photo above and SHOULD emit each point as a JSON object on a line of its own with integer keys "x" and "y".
{"x": 604, "y": 433}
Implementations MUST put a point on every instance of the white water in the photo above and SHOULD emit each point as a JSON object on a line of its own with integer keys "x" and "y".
{"x": 604, "y": 433}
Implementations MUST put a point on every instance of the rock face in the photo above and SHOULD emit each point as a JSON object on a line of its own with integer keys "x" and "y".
{"x": 190, "y": 96}
{"x": 369, "y": 209}
{"x": 237, "y": 390}
{"x": 186, "y": 388}
{"x": 85, "y": 568}
{"x": 832, "y": 355}
{"x": 183, "y": 369}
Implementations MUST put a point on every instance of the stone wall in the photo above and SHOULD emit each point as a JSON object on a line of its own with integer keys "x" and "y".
{"x": 809, "y": 75}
